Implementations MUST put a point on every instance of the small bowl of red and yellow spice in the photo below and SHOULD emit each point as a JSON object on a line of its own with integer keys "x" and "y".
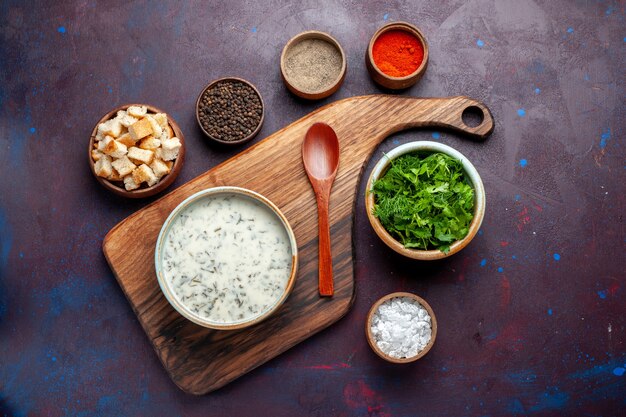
{"x": 397, "y": 55}
{"x": 136, "y": 150}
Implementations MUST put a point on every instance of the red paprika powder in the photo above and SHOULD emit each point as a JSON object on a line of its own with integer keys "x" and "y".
{"x": 397, "y": 53}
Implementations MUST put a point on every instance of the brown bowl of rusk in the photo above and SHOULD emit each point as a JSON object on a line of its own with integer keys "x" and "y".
{"x": 117, "y": 187}
{"x": 388, "y": 81}
{"x": 251, "y": 130}
{"x": 372, "y": 339}
{"x": 472, "y": 176}
{"x": 313, "y": 65}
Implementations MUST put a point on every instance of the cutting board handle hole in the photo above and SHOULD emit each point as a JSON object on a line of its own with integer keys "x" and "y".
{"x": 473, "y": 116}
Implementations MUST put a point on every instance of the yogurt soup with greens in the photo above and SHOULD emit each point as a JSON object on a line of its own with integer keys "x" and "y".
{"x": 227, "y": 258}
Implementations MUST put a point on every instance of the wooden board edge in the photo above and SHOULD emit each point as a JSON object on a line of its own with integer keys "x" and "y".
{"x": 221, "y": 384}
{"x": 132, "y": 305}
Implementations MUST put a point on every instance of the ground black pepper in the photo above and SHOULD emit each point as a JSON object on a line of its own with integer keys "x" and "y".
{"x": 230, "y": 110}
{"x": 313, "y": 65}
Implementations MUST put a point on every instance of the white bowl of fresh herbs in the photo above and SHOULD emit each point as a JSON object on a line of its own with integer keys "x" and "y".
{"x": 425, "y": 200}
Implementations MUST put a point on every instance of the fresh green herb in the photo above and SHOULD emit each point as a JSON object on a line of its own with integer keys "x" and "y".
{"x": 424, "y": 201}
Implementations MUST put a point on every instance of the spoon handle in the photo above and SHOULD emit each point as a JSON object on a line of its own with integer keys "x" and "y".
{"x": 325, "y": 256}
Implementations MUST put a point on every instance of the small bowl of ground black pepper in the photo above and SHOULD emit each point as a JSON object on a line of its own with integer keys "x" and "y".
{"x": 230, "y": 111}
{"x": 397, "y": 55}
{"x": 313, "y": 65}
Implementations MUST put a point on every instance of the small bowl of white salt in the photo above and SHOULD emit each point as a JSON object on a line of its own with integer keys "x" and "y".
{"x": 401, "y": 327}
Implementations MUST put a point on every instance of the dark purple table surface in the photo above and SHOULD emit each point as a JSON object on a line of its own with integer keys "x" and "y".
{"x": 531, "y": 314}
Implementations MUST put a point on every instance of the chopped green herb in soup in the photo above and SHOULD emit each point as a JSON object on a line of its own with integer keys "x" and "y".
{"x": 425, "y": 201}
{"x": 227, "y": 258}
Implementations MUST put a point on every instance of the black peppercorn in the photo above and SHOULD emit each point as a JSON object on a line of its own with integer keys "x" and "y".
{"x": 230, "y": 110}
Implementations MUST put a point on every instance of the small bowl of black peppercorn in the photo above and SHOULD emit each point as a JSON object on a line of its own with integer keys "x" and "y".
{"x": 230, "y": 111}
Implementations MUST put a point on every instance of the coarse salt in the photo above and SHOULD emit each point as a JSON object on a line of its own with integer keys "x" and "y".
{"x": 401, "y": 327}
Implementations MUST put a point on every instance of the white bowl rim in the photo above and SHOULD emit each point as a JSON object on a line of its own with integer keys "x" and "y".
{"x": 430, "y": 146}
{"x": 169, "y": 294}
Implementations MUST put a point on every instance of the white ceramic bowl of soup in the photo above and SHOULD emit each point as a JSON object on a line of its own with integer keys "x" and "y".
{"x": 226, "y": 258}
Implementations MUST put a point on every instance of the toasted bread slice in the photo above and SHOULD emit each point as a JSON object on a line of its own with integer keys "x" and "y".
{"x": 168, "y": 133}
{"x": 104, "y": 142}
{"x": 96, "y": 154}
{"x": 140, "y": 156}
{"x": 161, "y": 119}
{"x": 115, "y": 149}
{"x": 140, "y": 129}
{"x": 149, "y": 142}
{"x": 129, "y": 183}
{"x": 125, "y": 118}
{"x": 127, "y": 140}
{"x": 170, "y": 149}
{"x": 103, "y": 166}
{"x": 137, "y": 111}
{"x": 156, "y": 127}
{"x": 144, "y": 173}
{"x": 123, "y": 166}
{"x": 111, "y": 128}
{"x": 114, "y": 176}
{"x": 159, "y": 168}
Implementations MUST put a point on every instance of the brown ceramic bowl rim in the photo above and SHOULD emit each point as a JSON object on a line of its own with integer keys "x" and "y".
{"x": 238, "y": 141}
{"x": 407, "y": 27}
{"x": 165, "y": 182}
{"x": 169, "y": 293}
{"x": 313, "y": 34}
{"x": 472, "y": 175}
{"x": 370, "y": 337}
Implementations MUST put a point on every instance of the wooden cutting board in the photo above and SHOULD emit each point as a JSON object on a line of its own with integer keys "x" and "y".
{"x": 200, "y": 360}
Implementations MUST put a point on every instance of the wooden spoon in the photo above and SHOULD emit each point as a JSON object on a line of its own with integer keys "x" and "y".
{"x": 320, "y": 154}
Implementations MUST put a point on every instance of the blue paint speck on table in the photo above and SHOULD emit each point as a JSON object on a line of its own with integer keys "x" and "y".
{"x": 61, "y": 29}
{"x": 480, "y": 43}
{"x": 253, "y": 30}
{"x": 570, "y": 30}
{"x": 500, "y": 269}
{"x": 550, "y": 400}
{"x": 557, "y": 257}
{"x": 386, "y": 16}
{"x": 537, "y": 90}
{"x": 523, "y": 163}
{"x": 521, "y": 112}
{"x": 516, "y": 407}
{"x": 619, "y": 371}
{"x": 549, "y": 312}
{"x": 32, "y": 130}
{"x": 483, "y": 262}
{"x": 602, "y": 294}
{"x": 604, "y": 138}
{"x": 518, "y": 197}
{"x": 436, "y": 135}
